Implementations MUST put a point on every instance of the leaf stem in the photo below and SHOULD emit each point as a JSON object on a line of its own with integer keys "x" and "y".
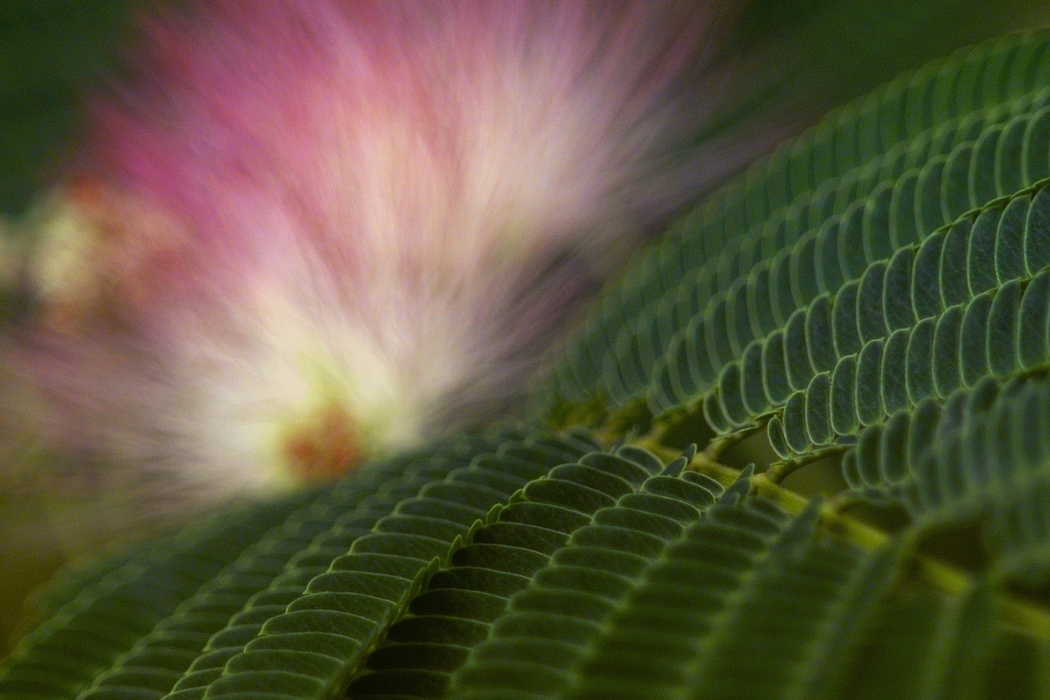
{"x": 1024, "y": 616}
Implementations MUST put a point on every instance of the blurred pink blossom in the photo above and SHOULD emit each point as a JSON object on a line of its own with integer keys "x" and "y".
{"x": 309, "y": 231}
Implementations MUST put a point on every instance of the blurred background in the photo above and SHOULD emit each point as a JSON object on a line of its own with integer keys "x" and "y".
{"x": 52, "y": 52}
{"x": 806, "y": 55}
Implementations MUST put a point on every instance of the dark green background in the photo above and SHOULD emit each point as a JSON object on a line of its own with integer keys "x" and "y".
{"x": 51, "y": 51}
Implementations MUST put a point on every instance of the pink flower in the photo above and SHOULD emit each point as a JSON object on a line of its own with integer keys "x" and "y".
{"x": 312, "y": 230}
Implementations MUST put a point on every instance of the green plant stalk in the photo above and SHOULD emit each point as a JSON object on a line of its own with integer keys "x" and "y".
{"x": 1015, "y": 612}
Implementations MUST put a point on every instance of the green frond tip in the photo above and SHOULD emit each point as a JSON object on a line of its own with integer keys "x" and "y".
{"x": 787, "y": 287}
